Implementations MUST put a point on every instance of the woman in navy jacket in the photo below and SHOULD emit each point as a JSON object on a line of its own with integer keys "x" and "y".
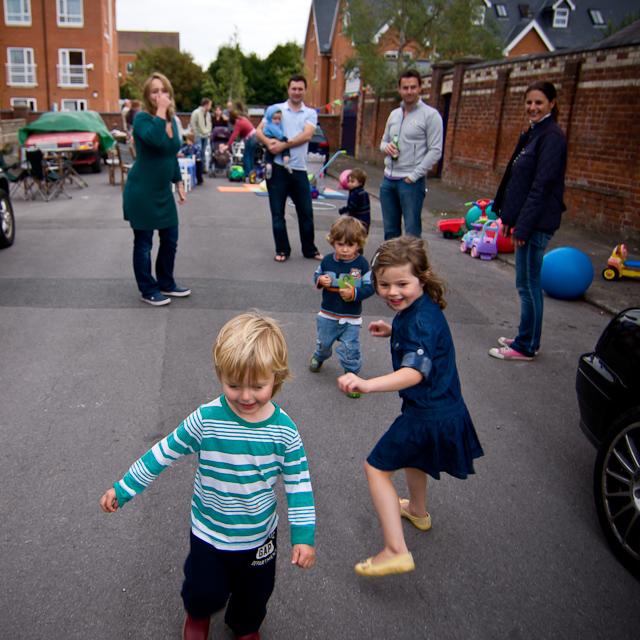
{"x": 530, "y": 203}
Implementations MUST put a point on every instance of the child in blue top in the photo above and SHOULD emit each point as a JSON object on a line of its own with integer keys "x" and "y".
{"x": 191, "y": 150}
{"x": 273, "y": 129}
{"x": 358, "y": 204}
{"x": 434, "y": 433}
{"x": 345, "y": 280}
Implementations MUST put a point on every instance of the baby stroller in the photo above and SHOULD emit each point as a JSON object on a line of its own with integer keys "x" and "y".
{"x": 220, "y": 160}
{"x": 235, "y": 171}
{"x": 257, "y": 174}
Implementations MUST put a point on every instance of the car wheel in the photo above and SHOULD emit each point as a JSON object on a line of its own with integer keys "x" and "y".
{"x": 616, "y": 487}
{"x": 7, "y": 221}
{"x": 448, "y": 235}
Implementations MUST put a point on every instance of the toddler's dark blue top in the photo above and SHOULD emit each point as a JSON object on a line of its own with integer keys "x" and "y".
{"x": 421, "y": 340}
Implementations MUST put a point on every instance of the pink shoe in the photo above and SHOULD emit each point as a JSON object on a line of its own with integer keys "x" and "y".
{"x": 507, "y": 353}
{"x": 196, "y": 628}
{"x": 507, "y": 342}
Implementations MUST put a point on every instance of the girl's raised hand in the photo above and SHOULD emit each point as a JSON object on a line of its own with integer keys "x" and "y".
{"x": 379, "y": 329}
{"x": 108, "y": 502}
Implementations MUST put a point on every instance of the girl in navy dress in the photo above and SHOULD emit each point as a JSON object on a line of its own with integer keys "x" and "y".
{"x": 434, "y": 433}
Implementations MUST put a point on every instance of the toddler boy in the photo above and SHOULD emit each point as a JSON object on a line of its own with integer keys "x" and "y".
{"x": 358, "y": 205}
{"x": 345, "y": 279}
{"x": 243, "y": 441}
{"x": 191, "y": 150}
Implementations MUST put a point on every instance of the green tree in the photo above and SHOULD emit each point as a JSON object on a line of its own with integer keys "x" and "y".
{"x": 613, "y": 27}
{"x": 227, "y": 73}
{"x": 280, "y": 65}
{"x": 427, "y": 28}
{"x": 185, "y": 75}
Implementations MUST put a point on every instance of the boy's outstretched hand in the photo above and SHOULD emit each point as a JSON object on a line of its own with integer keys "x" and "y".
{"x": 304, "y": 555}
{"x": 351, "y": 383}
{"x": 108, "y": 501}
{"x": 380, "y": 329}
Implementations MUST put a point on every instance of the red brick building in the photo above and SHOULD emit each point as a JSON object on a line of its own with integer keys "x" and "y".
{"x": 59, "y": 54}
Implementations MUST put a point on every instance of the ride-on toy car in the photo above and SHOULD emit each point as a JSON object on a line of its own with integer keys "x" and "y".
{"x": 608, "y": 388}
{"x": 485, "y": 245}
{"x": 618, "y": 265}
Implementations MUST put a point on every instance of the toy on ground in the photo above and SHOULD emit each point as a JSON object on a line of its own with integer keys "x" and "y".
{"x": 566, "y": 273}
{"x": 618, "y": 266}
{"x": 479, "y": 212}
{"x": 451, "y": 228}
{"x": 485, "y": 245}
{"x": 467, "y": 239}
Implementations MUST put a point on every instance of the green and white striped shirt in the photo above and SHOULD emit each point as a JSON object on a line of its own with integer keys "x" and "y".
{"x": 234, "y": 505}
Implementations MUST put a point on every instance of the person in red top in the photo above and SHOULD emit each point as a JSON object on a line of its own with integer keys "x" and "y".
{"x": 244, "y": 130}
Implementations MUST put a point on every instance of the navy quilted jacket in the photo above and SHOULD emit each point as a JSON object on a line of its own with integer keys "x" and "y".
{"x": 530, "y": 196}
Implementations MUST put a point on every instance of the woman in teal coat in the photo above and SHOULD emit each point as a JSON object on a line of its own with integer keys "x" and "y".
{"x": 148, "y": 201}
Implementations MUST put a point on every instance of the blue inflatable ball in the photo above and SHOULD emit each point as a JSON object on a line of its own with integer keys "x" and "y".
{"x": 566, "y": 273}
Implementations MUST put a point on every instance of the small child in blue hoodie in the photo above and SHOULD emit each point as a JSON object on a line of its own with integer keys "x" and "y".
{"x": 358, "y": 204}
{"x": 345, "y": 279}
{"x": 273, "y": 129}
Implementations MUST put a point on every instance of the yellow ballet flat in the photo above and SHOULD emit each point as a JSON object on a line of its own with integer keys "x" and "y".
{"x": 424, "y": 524}
{"x": 398, "y": 564}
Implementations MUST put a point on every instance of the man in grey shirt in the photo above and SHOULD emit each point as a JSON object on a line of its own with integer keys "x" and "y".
{"x": 412, "y": 142}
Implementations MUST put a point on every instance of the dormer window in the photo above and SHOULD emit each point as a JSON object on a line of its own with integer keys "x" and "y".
{"x": 596, "y": 17}
{"x": 501, "y": 11}
{"x": 561, "y": 18}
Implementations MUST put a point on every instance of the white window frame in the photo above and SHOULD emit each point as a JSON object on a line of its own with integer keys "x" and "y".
{"x": 501, "y": 11}
{"x": 128, "y": 67}
{"x": 597, "y": 18}
{"x": 66, "y": 18}
{"x": 561, "y": 18}
{"x": 335, "y": 69}
{"x": 20, "y": 19}
{"x": 71, "y": 75}
{"x": 315, "y": 73}
{"x": 27, "y": 68}
{"x": 80, "y": 104}
{"x": 32, "y": 103}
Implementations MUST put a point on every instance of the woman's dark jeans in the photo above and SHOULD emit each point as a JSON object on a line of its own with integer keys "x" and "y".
{"x": 296, "y": 185}
{"x": 142, "y": 243}
{"x": 529, "y": 284}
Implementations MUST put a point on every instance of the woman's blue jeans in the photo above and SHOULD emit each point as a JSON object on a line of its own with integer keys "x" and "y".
{"x": 529, "y": 284}
{"x": 248, "y": 158}
{"x": 400, "y": 199}
{"x": 348, "y": 335}
{"x": 142, "y": 243}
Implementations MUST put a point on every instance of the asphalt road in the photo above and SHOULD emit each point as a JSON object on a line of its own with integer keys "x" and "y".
{"x": 91, "y": 377}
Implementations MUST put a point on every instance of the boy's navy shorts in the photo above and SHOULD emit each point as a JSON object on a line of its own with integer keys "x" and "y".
{"x": 243, "y": 578}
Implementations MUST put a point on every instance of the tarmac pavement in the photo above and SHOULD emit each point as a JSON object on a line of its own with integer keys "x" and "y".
{"x": 91, "y": 377}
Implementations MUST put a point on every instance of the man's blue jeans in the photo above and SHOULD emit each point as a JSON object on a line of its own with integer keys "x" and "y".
{"x": 296, "y": 185}
{"x": 142, "y": 242}
{"x": 349, "y": 348}
{"x": 400, "y": 199}
{"x": 529, "y": 284}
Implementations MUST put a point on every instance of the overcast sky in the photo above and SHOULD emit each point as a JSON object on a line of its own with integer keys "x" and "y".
{"x": 205, "y": 25}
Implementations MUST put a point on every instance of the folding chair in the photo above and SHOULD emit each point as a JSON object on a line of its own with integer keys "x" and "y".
{"x": 112, "y": 163}
{"x": 126, "y": 158}
{"x": 48, "y": 182}
{"x": 16, "y": 180}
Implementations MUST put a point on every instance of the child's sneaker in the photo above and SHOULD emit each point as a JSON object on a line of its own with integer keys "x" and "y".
{"x": 314, "y": 364}
{"x": 268, "y": 172}
{"x": 507, "y": 353}
{"x": 287, "y": 166}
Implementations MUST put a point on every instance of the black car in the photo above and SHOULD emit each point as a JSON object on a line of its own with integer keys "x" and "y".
{"x": 319, "y": 143}
{"x": 608, "y": 388}
{"x": 7, "y": 222}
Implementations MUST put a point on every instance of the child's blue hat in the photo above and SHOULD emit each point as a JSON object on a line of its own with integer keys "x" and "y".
{"x": 271, "y": 110}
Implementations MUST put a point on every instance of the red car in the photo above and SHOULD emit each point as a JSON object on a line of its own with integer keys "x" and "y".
{"x": 85, "y": 145}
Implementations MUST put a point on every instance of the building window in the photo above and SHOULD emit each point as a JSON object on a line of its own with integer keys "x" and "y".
{"x": 129, "y": 68}
{"x": 501, "y": 11}
{"x": 72, "y": 71}
{"x": 315, "y": 74}
{"x": 20, "y": 67}
{"x": 596, "y": 17}
{"x": 73, "y": 105}
{"x": 335, "y": 69}
{"x": 478, "y": 15}
{"x": 25, "y": 102}
{"x": 70, "y": 13}
{"x": 561, "y": 18}
{"x": 17, "y": 12}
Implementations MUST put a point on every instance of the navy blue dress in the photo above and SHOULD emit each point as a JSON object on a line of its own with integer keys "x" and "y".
{"x": 435, "y": 432}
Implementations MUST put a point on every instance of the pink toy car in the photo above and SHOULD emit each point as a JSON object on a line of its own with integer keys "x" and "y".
{"x": 485, "y": 246}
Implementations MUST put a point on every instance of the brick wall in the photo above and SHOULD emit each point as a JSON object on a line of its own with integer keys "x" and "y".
{"x": 598, "y": 94}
